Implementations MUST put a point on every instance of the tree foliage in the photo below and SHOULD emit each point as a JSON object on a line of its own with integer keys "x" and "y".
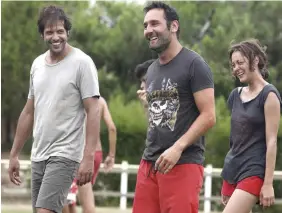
{"x": 112, "y": 34}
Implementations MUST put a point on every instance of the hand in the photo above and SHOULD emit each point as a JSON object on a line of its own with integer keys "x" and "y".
{"x": 85, "y": 171}
{"x": 224, "y": 199}
{"x": 267, "y": 195}
{"x": 109, "y": 163}
{"x": 14, "y": 171}
{"x": 168, "y": 159}
{"x": 142, "y": 96}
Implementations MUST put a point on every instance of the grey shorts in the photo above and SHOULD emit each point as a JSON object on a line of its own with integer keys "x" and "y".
{"x": 50, "y": 182}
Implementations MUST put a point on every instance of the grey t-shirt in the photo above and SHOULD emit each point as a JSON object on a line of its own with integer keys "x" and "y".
{"x": 171, "y": 105}
{"x": 247, "y": 154}
{"x": 58, "y": 91}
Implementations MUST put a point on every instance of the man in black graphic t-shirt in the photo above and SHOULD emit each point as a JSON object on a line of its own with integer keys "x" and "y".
{"x": 180, "y": 96}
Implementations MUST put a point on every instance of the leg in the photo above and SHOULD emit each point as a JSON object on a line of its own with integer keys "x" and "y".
{"x": 226, "y": 191}
{"x": 245, "y": 196}
{"x": 86, "y": 195}
{"x": 66, "y": 209}
{"x": 58, "y": 176}
{"x": 240, "y": 201}
{"x": 86, "y": 198}
{"x": 71, "y": 198}
{"x": 180, "y": 189}
{"x": 72, "y": 208}
{"x": 69, "y": 209}
{"x": 146, "y": 197}
{"x": 37, "y": 173}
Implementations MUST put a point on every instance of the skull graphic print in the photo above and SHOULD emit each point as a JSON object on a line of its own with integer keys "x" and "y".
{"x": 163, "y": 105}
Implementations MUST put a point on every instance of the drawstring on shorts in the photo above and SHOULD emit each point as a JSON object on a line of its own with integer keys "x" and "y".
{"x": 152, "y": 168}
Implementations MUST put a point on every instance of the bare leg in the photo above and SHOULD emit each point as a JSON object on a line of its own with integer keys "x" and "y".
{"x": 69, "y": 209}
{"x": 86, "y": 198}
{"x": 240, "y": 201}
{"x": 72, "y": 208}
{"x": 66, "y": 209}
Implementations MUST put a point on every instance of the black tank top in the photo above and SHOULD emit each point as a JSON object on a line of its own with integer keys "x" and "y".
{"x": 247, "y": 154}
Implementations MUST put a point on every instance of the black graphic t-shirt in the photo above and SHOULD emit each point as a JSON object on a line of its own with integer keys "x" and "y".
{"x": 247, "y": 154}
{"x": 171, "y": 105}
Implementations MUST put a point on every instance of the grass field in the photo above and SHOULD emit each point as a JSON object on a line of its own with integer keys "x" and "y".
{"x": 14, "y": 211}
{"x": 27, "y": 209}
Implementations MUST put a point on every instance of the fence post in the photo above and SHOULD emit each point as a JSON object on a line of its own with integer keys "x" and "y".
{"x": 123, "y": 185}
{"x": 208, "y": 189}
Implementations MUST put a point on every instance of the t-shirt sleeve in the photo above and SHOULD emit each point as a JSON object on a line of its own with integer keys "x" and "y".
{"x": 31, "y": 89}
{"x": 201, "y": 75}
{"x": 88, "y": 79}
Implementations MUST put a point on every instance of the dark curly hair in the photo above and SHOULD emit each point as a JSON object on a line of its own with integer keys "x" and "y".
{"x": 252, "y": 48}
{"x": 50, "y": 15}
{"x": 141, "y": 69}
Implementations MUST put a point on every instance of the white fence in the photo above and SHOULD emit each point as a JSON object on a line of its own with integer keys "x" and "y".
{"x": 125, "y": 169}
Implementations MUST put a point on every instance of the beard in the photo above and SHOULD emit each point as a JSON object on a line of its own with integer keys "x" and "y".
{"x": 161, "y": 45}
{"x": 56, "y": 50}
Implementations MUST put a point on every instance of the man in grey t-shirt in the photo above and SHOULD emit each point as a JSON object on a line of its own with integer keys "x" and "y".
{"x": 63, "y": 90}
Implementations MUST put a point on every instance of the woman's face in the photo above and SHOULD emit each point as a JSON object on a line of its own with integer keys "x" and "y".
{"x": 240, "y": 67}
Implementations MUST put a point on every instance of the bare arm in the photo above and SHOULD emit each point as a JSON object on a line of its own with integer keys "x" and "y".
{"x": 272, "y": 119}
{"x": 91, "y": 106}
{"x": 24, "y": 128}
{"x": 206, "y": 105}
{"x": 111, "y": 128}
{"x": 88, "y": 85}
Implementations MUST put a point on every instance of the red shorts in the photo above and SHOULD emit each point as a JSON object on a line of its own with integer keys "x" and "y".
{"x": 174, "y": 192}
{"x": 74, "y": 189}
{"x": 97, "y": 162}
{"x": 251, "y": 185}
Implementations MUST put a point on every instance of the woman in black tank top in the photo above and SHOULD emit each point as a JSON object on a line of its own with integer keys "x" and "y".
{"x": 255, "y": 114}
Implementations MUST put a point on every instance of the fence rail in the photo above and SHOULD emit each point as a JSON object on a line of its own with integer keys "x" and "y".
{"x": 126, "y": 169}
